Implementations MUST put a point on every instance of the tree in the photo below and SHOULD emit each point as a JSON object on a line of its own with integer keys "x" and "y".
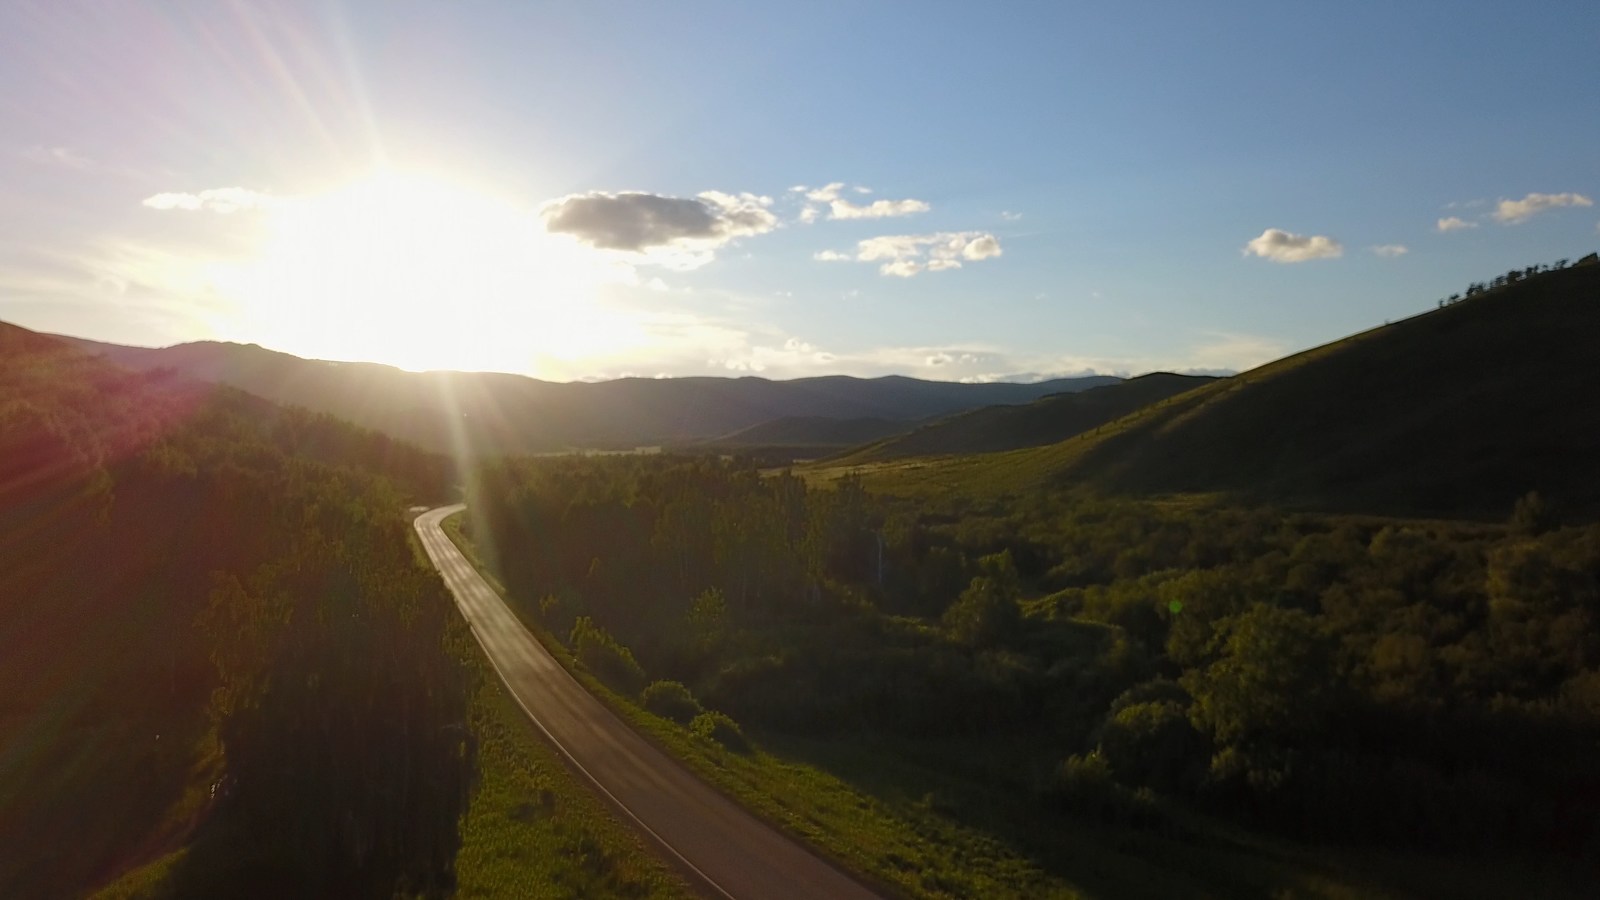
{"x": 1271, "y": 684}
{"x": 1531, "y": 515}
{"x": 987, "y": 614}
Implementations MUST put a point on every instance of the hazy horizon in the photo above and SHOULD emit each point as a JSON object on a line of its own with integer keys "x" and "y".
{"x": 663, "y": 375}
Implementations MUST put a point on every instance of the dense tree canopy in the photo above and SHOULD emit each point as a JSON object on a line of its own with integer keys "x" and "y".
{"x": 197, "y": 584}
{"x": 1338, "y": 677}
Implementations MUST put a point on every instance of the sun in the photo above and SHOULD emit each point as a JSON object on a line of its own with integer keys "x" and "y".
{"x": 422, "y": 273}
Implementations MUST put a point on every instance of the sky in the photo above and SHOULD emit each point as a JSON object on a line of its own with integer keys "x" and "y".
{"x": 952, "y": 191}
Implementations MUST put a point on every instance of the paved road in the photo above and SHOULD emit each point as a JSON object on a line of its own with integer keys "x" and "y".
{"x": 732, "y": 852}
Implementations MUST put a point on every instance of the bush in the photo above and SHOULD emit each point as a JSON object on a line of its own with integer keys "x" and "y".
{"x": 671, "y": 700}
{"x": 1153, "y": 744}
{"x": 1084, "y": 786}
{"x": 718, "y": 727}
{"x": 600, "y": 653}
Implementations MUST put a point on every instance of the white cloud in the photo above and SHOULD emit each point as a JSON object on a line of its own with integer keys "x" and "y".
{"x": 877, "y": 209}
{"x": 905, "y": 255}
{"x": 829, "y": 197}
{"x": 1391, "y": 250}
{"x": 1511, "y": 212}
{"x": 981, "y": 247}
{"x": 638, "y": 222}
{"x": 1454, "y": 223}
{"x": 825, "y": 194}
{"x": 217, "y": 200}
{"x": 1282, "y": 247}
{"x": 1010, "y": 216}
{"x": 831, "y": 256}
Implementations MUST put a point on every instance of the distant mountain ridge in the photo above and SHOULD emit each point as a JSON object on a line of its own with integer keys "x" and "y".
{"x": 500, "y": 413}
{"x": 1044, "y": 421}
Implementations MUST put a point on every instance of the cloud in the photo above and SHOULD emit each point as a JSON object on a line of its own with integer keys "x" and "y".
{"x": 877, "y": 209}
{"x": 829, "y": 196}
{"x": 64, "y": 157}
{"x": 1010, "y": 216}
{"x": 905, "y": 255}
{"x": 1391, "y": 250}
{"x": 831, "y": 256}
{"x": 638, "y": 222}
{"x": 825, "y": 194}
{"x": 1282, "y": 247}
{"x": 1512, "y": 212}
{"x": 1454, "y": 223}
{"x": 217, "y": 200}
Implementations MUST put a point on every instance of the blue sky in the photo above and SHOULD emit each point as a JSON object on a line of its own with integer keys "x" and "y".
{"x": 595, "y": 189}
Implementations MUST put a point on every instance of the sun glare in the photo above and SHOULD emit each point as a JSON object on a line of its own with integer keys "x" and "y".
{"x": 418, "y": 272}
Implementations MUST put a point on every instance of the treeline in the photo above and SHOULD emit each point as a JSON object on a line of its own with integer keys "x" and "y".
{"x": 1511, "y": 277}
{"x": 215, "y": 633}
{"x": 1376, "y": 680}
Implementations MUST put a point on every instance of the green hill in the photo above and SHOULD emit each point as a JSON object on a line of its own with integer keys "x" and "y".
{"x": 1045, "y": 421}
{"x": 1458, "y": 411}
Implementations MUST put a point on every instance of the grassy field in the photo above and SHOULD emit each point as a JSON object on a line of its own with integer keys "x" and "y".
{"x": 942, "y": 819}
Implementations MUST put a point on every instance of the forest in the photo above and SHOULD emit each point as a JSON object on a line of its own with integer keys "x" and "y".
{"x": 1360, "y": 680}
{"x": 215, "y": 634}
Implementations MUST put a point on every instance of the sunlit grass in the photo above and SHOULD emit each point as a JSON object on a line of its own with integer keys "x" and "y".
{"x": 534, "y": 831}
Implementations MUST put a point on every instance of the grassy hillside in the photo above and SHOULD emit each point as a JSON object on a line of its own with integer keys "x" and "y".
{"x": 492, "y": 413}
{"x": 1458, "y": 411}
{"x": 1044, "y": 421}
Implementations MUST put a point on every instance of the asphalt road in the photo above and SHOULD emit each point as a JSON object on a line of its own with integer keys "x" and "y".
{"x": 733, "y": 853}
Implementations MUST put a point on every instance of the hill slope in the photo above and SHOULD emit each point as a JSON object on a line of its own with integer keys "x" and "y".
{"x": 510, "y": 413}
{"x": 1044, "y": 421}
{"x": 1453, "y": 412}
{"x": 127, "y": 502}
{"x": 811, "y": 431}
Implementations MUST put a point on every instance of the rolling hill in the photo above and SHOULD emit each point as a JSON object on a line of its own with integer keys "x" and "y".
{"x": 489, "y": 412}
{"x": 1458, "y": 411}
{"x": 1044, "y": 421}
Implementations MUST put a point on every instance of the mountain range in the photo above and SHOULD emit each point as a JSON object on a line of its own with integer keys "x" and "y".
{"x": 500, "y": 413}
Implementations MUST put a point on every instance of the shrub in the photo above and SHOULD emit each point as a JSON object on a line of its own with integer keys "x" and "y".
{"x": 720, "y": 728}
{"x": 1084, "y": 786}
{"x": 1152, "y": 744}
{"x": 671, "y": 700}
{"x": 600, "y": 653}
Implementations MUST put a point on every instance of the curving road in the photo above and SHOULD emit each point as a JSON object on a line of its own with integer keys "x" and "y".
{"x": 733, "y": 853}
